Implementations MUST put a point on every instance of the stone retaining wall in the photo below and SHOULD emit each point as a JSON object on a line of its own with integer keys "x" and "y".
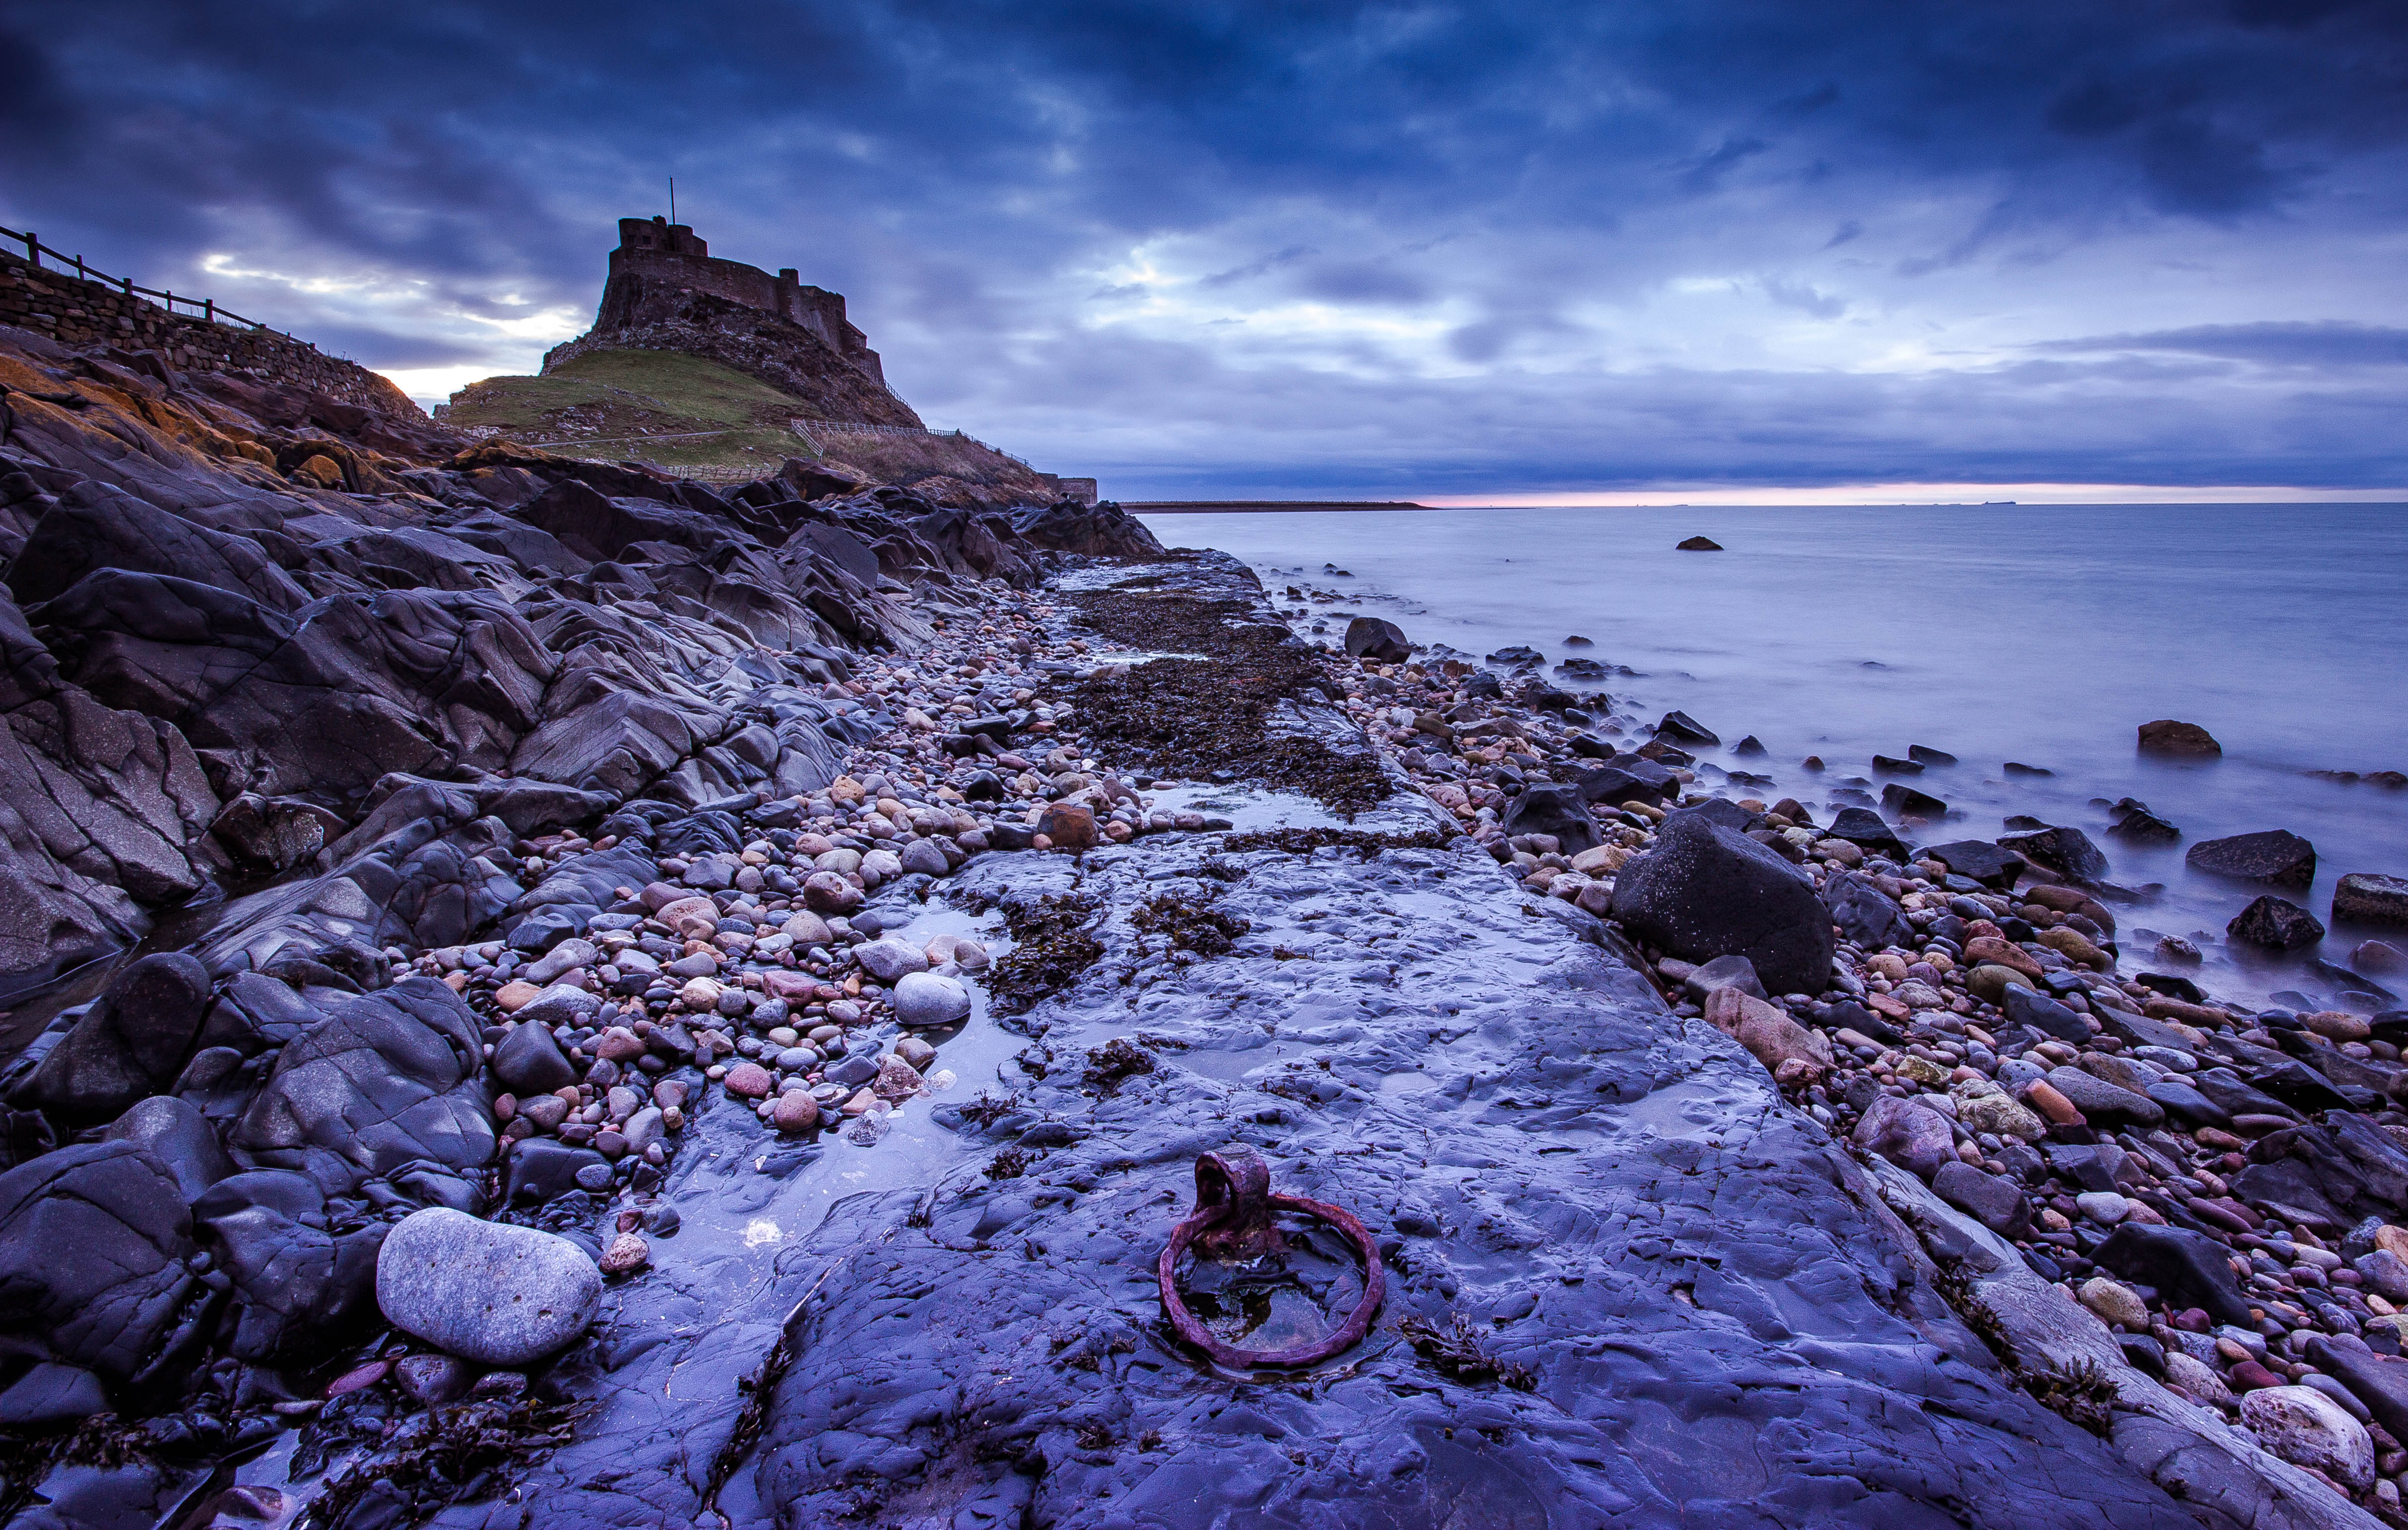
{"x": 85, "y": 315}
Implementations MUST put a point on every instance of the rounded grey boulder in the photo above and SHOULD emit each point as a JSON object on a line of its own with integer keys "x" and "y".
{"x": 929, "y": 998}
{"x": 485, "y": 1290}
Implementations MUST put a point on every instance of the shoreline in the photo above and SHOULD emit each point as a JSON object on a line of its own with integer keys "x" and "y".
{"x": 817, "y": 999}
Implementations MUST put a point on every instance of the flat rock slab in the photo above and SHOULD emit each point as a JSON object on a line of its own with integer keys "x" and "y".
{"x": 1720, "y": 1329}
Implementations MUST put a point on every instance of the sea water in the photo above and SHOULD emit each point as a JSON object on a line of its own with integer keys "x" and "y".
{"x": 2041, "y": 634}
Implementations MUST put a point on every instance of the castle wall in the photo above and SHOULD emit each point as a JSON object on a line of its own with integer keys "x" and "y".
{"x": 658, "y": 248}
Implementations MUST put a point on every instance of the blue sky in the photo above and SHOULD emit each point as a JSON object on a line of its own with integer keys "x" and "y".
{"x": 1647, "y": 251}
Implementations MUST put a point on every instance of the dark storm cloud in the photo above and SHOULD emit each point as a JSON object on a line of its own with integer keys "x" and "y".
{"x": 1497, "y": 198}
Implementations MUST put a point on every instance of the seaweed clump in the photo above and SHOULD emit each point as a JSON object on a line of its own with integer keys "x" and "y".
{"x": 1457, "y": 1353}
{"x": 1115, "y": 1062}
{"x": 1190, "y": 923}
{"x": 458, "y": 1453}
{"x": 1210, "y": 716}
{"x": 1051, "y": 944}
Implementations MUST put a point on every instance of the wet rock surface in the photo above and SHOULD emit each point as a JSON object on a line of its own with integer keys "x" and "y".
{"x": 801, "y": 947}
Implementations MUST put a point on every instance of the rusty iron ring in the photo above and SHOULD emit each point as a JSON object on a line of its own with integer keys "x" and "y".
{"x": 1232, "y": 1217}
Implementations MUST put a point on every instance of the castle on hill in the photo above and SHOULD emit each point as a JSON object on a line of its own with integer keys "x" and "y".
{"x": 667, "y": 292}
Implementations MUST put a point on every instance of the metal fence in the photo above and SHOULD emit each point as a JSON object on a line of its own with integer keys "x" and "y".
{"x": 204, "y": 308}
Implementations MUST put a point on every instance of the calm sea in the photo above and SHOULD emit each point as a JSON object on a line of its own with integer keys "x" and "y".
{"x": 2042, "y": 634}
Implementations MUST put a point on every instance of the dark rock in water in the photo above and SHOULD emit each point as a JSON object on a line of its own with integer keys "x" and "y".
{"x": 2172, "y": 985}
{"x": 386, "y": 1078}
{"x": 1698, "y": 544}
{"x": 1705, "y": 892}
{"x": 2179, "y": 739}
{"x": 2025, "y": 1008}
{"x": 1588, "y": 746}
{"x": 1628, "y": 779}
{"x": 1894, "y": 766}
{"x": 2367, "y": 897}
{"x": 2016, "y": 768}
{"x": 1720, "y": 811}
{"x": 2274, "y": 855}
{"x": 1863, "y": 913}
{"x": 180, "y": 1136}
{"x": 1865, "y": 829}
{"x": 1751, "y": 745}
{"x": 529, "y": 1061}
{"x": 2135, "y": 821}
{"x": 2067, "y": 851}
{"x": 1576, "y": 640}
{"x": 1586, "y": 669}
{"x": 1098, "y": 530}
{"x": 300, "y": 1290}
{"x": 1995, "y": 1203}
{"x": 1519, "y": 656}
{"x": 1369, "y": 637}
{"x": 1559, "y": 810}
{"x": 130, "y": 1044}
{"x": 1682, "y": 728}
{"x": 1925, "y": 754}
{"x": 94, "y": 1245}
{"x": 1986, "y": 863}
{"x": 1907, "y": 802}
{"x": 2275, "y": 924}
{"x": 2187, "y": 1268}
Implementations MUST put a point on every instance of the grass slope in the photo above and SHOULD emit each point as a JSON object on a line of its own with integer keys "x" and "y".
{"x": 616, "y": 405}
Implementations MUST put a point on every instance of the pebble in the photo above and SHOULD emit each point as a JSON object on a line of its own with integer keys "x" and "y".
{"x": 748, "y": 1081}
{"x": 627, "y": 1253}
{"x": 926, "y": 998}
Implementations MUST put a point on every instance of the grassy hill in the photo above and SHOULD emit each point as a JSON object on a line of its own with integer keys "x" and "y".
{"x": 700, "y": 417}
{"x": 656, "y": 405}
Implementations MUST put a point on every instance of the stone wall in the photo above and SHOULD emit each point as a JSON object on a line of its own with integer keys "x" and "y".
{"x": 664, "y": 258}
{"x": 90, "y": 314}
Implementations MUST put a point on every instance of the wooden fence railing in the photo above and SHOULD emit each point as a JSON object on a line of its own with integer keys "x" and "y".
{"x": 204, "y": 308}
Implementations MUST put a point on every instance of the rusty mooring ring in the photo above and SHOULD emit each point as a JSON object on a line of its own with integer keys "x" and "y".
{"x": 1232, "y": 1217}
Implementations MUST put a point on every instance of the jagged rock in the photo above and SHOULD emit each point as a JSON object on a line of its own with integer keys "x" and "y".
{"x": 2275, "y": 924}
{"x": 485, "y": 1290}
{"x": 94, "y": 1240}
{"x": 1863, "y": 912}
{"x": 2275, "y": 855}
{"x": 1682, "y": 728}
{"x": 1100, "y": 530}
{"x": 1995, "y": 1203}
{"x": 1626, "y": 778}
{"x": 386, "y": 1079}
{"x": 1992, "y": 866}
{"x": 2168, "y": 736}
{"x": 1705, "y": 892}
{"x": 2066, "y": 852}
{"x": 131, "y": 1043}
{"x": 1770, "y": 1036}
{"x": 529, "y": 1061}
{"x": 2043, "y": 1014}
{"x": 1370, "y": 637}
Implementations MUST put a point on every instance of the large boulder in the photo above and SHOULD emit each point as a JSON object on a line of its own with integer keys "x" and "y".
{"x": 2190, "y": 1268}
{"x": 485, "y": 1290}
{"x": 1908, "y": 1134}
{"x": 94, "y": 1250}
{"x": 2365, "y": 898}
{"x": 129, "y": 1045}
{"x": 386, "y": 1079}
{"x": 1992, "y": 866}
{"x": 1706, "y": 890}
{"x": 2274, "y": 855}
{"x": 179, "y": 1135}
{"x": 1868, "y": 831}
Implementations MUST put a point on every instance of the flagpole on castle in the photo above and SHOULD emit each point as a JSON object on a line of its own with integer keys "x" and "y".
{"x": 672, "y": 199}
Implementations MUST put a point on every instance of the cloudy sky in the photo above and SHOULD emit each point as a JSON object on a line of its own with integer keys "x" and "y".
{"x": 1658, "y": 249}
